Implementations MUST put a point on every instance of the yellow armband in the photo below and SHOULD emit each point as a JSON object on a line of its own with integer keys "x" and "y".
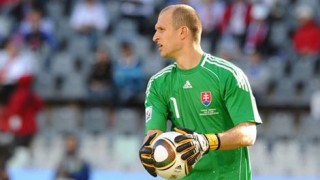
{"x": 214, "y": 141}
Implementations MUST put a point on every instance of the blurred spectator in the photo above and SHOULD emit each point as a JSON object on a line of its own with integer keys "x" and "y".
{"x": 21, "y": 112}
{"x": 21, "y": 8}
{"x": 16, "y": 109}
{"x": 88, "y": 18}
{"x": 71, "y": 165}
{"x": 38, "y": 31}
{"x": 128, "y": 76}
{"x": 211, "y": 14}
{"x": 101, "y": 88}
{"x": 14, "y": 63}
{"x": 258, "y": 74}
{"x": 100, "y": 81}
{"x": 306, "y": 38}
{"x": 20, "y": 116}
{"x": 142, "y": 12}
{"x": 258, "y": 30}
{"x": 236, "y": 19}
{"x": 277, "y": 11}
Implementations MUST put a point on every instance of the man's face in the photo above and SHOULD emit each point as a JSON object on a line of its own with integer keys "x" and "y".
{"x": 166, "y": 35}
{"x": 71, "y": 145}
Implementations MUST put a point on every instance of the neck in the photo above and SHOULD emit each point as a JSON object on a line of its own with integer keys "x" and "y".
{"x": 190, "y": 57}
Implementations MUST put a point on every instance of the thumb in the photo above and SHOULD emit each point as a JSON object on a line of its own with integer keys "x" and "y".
{"x": 183, "y": 130}
{"x": 150, "y": 139}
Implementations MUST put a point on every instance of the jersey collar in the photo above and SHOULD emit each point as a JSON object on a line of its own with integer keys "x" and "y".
{"x": 194, "y": 69}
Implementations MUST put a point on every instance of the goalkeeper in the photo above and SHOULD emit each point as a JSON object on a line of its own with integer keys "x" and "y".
{"x": 207, "y": 99}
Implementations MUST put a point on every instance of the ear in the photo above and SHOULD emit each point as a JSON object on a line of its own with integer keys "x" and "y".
{"x": 184, "y": 32}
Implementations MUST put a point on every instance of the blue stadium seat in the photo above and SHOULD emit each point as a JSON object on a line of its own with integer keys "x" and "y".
{"x": 65, "y": 119}
{"x": 281, "y": 127}
{"x": 100, "y": 158}
{"x": 127, "y": 157}
{"x": 44, "y": 85}
{"x": 128, "y": 120}
{"x": 302, "y": 69}
{"x": 74, "y": 87}
{"x": 62, "y": 64}
{"x": 284, "y": 92}
{"x": 309, "y": 130}
{"x": 55, "y": 10}
{"x": 94, "y": 120}
{"x": 277, "y": 67}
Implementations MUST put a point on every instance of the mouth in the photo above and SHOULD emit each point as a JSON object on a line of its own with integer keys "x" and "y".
{"x": 160, "y": 46}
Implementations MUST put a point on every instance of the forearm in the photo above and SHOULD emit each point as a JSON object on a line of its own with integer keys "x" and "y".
{"x": 242, "y": 135}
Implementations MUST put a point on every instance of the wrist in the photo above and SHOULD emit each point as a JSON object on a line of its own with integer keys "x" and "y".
{"x": 214, "y": 141}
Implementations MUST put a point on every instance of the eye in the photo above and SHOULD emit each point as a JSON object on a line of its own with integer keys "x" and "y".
{"x": 160, "y": 29}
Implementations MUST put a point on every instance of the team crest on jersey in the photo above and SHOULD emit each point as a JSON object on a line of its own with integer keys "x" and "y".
{"x": 206, "y": 98}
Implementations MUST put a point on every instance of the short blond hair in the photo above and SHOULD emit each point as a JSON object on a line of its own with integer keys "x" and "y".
{"x": 185, "y": 15}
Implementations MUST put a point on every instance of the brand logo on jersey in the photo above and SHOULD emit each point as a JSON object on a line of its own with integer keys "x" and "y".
{"x": 187, "y": 85}
{"x": 206, "y": 98}
{"x": 148, "y": 113}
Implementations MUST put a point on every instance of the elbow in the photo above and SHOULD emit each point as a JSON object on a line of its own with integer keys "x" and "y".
{"x": 249, "y": 134}
{"x": 248, "y": 141}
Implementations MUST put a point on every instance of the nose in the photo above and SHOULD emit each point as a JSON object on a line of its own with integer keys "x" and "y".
{"x": 155, "y": 37}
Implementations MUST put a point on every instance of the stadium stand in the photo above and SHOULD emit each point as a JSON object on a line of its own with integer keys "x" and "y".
{"x": 288, "y": 142}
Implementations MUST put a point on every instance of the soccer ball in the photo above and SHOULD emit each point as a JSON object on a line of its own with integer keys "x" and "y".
{"x": 168, "y": 162}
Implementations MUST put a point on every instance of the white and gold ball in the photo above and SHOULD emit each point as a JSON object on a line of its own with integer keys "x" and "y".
{"x": 168, "y": 162}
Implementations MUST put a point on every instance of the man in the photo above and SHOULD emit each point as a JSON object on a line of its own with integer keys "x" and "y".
{"x": 207, "y": 99}
{"x": 72, "y": 166}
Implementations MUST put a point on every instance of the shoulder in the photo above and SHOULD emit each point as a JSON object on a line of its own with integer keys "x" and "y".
{"x": 218, "y": 63}
{"x": 161, "y": 76}
{"x": 218, "y": 66}
{"x": 165, "y": 72}
{"x": 225, "y": 70}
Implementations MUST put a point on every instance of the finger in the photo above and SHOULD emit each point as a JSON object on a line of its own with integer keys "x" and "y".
{"x": 148, "y": 165}
{"x": 146, "y": 159}
{"x": 193, "y": 159}
{"x": 151, "y": 171}
{"x": 181, "y": 138}
{"x": 145, "y": 154}
{"x": 188, "y": 154}
{"x": 184, "y": 146}
{"x": 146, "y": 150}
{"x": 150, "y": 139}
{"x": 183, "y": 130}
{"x": 150, "y": 168}
{"x": 154, "y": 174}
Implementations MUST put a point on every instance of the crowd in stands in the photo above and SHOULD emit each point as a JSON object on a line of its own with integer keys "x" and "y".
{"x": 99, "y": 53}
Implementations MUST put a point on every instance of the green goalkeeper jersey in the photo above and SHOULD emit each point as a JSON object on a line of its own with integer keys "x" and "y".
{"x": 212, "y": 97}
